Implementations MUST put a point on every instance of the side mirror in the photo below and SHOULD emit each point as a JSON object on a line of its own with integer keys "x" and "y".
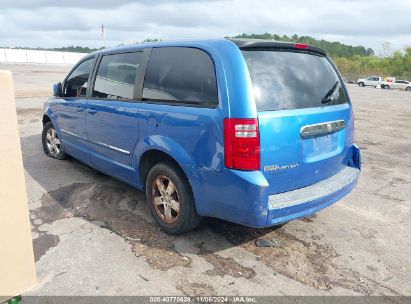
{"x": 57, "y": 90}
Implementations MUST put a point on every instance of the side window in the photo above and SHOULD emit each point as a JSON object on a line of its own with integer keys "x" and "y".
{"x": 116, "y": 76}
{"x": 76, "y": 84}
{"x": 180, "y": 75}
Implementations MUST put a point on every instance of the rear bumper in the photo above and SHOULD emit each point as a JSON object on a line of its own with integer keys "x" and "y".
{"x": 290, "y": 205}
{"x": 243, "y": 197}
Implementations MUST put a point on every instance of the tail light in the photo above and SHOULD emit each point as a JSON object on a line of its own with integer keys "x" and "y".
{"x": 241, "y": 143}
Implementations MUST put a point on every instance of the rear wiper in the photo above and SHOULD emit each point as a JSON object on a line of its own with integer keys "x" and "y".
{"x": 327, "y": 98}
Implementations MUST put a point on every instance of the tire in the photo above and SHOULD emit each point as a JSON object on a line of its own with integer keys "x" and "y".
{"x": 180, "y": 214}
{"x": 408, "y": 89}
{"x": 387, "y": 87}
{"x": 361, "y": 84}
{"x": 51, "y": 143}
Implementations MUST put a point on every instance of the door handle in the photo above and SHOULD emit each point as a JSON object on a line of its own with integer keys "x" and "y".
{"x": 91, "y": 111}
{"x": 79, "y": 109}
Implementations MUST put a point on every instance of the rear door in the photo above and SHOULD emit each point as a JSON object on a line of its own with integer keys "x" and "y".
{"x": 112, "y": 113}
{"x": 304, "y": 116}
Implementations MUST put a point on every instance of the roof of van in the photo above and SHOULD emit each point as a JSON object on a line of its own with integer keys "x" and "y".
{"x": 241, "y": 43}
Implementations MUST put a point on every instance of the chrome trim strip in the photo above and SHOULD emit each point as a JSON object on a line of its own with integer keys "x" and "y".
{"x": 99, "y": 143}
{"x": 113, "y": 148}
{"x": 322, "y": 128}
{"x": 310, "y": 193}
{"x": 67, "y": 132}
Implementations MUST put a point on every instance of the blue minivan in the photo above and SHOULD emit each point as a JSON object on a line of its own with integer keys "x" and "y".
{"x": 250, "y": 131}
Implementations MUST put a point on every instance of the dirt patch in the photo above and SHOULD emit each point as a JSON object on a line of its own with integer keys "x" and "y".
{"x": 197, "y": 289}
{"x": 307, "y": 262}
{"x": 160, "y": 255}
{"x": 225, "y": 266}
{"x": 43, "y": 243}
{"x": 309, "y": 219}
{"x": 115, "y": 207}
{"x": 368, "y": 233}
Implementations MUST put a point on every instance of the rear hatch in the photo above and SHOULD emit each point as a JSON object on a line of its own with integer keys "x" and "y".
{"x": 304, "y": 116}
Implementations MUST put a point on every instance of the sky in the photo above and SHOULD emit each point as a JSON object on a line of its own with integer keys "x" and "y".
{"x": 47, "y": 23}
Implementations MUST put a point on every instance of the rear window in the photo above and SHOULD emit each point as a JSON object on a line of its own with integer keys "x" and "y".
{"x": 292, "y": 80}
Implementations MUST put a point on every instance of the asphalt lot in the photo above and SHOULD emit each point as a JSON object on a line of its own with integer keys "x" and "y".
{"x": 93, "y": 235}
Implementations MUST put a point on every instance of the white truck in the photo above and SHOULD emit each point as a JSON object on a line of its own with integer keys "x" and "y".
{"x": 374, "y": 81}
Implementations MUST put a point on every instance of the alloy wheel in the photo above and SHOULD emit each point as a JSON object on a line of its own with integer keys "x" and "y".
{"x": 53, "y": 142}
{"x": 165, "y": 199}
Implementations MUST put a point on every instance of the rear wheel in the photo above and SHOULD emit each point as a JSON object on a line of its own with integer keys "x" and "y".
{"x": 387, "y": 87}
{"x": 408, "y": 89}
{"x": 361, "y": 84}
{"x": 170, "y": 199}
{"x": 51, "y": 142}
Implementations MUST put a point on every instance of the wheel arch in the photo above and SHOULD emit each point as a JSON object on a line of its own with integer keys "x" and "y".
{"x": 45, "y": 119}
{"x": 150, "y": 158}
{"x": 156, "y": 148}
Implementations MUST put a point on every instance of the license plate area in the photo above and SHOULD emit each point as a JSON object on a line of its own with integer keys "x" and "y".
{"x": 323, "y": 146}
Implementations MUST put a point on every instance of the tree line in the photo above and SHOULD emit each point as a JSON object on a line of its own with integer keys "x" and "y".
{"x": 398, "y": 65}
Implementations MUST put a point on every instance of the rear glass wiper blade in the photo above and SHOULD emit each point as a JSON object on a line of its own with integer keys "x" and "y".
{"x": 327, "y": 98}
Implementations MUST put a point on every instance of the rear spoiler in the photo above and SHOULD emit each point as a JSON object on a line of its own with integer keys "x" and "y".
{"x": 258, "y": 44}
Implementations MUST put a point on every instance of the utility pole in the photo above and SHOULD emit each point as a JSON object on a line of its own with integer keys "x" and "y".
{"x": 103, "y": 35}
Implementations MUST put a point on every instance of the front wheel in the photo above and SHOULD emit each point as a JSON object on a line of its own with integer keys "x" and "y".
{"x": 408, "y": 89}
{"x": 51, "y": 142}
{"x": 387, "y": 87}
{"x": 170, "y": 199}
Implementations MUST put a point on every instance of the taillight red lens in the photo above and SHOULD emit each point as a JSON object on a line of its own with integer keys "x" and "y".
{"x": 301, "y": 46}
{"x": 241, "y": 143}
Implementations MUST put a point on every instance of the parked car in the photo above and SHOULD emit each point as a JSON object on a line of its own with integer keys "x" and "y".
{"x": 253, "y": 132}
{"x": 401, "y": 85}
{"x": 374, "y": 81}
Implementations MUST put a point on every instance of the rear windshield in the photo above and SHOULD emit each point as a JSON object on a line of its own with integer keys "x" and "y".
{"x": 292, "y": 80}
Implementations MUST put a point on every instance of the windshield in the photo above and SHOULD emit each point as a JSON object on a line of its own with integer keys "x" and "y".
{"x": 292, "y": 80}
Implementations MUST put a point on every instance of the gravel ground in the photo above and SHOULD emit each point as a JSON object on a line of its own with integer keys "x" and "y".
{"x": 93, "y": 235}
